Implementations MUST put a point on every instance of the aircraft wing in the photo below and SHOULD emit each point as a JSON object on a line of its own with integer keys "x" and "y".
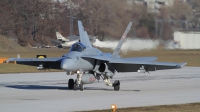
{"x": 134, "y": 64}
{"x": 124, "y": 65}
{"x": 105, "y": 57}
{"x": 141, "y": 59}
{"x": 62, "y": 40}
{"x": 98, "y": 57}
{"x": 53, "y": 63}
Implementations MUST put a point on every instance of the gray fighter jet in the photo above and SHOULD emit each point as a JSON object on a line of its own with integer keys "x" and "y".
{"x": 70, "y": 40}
{"x": 90, "y": 64}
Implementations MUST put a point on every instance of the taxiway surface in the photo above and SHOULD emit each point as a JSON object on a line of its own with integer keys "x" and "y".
{"x": 48, "y": 92}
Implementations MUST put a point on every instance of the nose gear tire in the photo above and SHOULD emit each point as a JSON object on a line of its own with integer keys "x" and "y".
{"x": 71, "y": 84}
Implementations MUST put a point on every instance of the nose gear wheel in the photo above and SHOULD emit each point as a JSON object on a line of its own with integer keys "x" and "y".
{"x": 71, "y": 84}
{"x": 78, "y": 85}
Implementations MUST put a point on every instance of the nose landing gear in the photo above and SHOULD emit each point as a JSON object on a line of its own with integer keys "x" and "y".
{"x": 76, "y": 85}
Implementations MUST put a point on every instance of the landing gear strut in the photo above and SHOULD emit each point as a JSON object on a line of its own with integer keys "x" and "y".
{"x": 75, "y": 85}
{"x": 116, "y": 84}
{"x": 78, "y": 85}
{"x": 78, "y": 82}
{"x": 81, "y": 86}
{"x": 71, "y": 83}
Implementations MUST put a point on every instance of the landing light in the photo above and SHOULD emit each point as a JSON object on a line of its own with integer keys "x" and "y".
{"x": 113, "y": 107}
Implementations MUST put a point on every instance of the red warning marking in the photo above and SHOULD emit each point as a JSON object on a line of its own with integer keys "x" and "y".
{"x": 123, "y": 37}
{"x": 92, "y": 79}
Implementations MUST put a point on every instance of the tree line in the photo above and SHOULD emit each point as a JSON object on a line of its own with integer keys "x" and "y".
{"x": 36, "y": 21}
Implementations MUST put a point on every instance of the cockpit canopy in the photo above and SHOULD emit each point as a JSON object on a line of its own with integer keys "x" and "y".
{"x": 79, "y": 47}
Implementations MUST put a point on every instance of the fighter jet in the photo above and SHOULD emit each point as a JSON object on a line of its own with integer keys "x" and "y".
{"x": 90, "y": 64}
{"x": 70, "y": 40}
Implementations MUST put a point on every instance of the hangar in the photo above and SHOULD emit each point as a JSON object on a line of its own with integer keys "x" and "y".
{"x": 187, "y": 39}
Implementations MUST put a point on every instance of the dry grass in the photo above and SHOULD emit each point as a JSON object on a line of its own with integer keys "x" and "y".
{"x": 31, "y": 53}
{"x": 8, "y": 45}
{"x": 15, "y": 68}
{"x": 192, "y": 107}
{"x": 191, "y": 57}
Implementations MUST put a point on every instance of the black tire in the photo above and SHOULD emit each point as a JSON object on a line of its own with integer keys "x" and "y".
{"x": 81, "y": 86}
{"x": 71, "y": 84}
{"x": 116, "y": 85}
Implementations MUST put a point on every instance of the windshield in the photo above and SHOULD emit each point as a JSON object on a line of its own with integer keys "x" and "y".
{"x": 77, "y": 47}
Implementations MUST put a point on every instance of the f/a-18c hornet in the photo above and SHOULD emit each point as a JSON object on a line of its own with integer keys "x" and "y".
{"x": 90, "y": 64}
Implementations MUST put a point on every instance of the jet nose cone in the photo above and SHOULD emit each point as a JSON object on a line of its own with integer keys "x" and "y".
{"x": 68, "y": 65}
{"x": 63, "y": 64}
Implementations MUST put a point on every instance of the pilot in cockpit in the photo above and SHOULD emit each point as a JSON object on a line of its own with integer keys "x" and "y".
{"x": 77, "y": 47}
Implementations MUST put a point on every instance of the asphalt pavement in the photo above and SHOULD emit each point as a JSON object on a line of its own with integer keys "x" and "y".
{"x": 48, "y": 92}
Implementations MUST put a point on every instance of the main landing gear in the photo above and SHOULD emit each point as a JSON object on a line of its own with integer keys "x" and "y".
{"x": 116, "y": 85}
{"x": 78, "y": 83}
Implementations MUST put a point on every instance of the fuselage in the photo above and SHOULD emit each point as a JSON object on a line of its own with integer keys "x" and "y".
{"x": 69, "y": 43}
{"x": 74, "y": 60}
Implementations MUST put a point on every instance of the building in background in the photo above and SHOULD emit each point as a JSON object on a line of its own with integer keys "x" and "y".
{"x": 186, "y": 39}
{"x": 154, "y": 6}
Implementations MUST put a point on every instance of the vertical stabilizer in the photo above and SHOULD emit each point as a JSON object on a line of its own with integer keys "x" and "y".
{"x": 18, "y": 56}
{"x": 60, "y": 37}
{"x": 84, "y": 38}
{"x": 117, "y": 49}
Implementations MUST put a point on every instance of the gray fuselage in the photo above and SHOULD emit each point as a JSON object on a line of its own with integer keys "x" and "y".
{"x": 74, "y": 60}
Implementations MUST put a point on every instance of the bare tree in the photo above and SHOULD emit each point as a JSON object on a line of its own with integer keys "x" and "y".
{"x": 109, "y": 17}
{"x": 181, "y": 11}
{"x": 36, "y": 21}
{"x": 36, "y": 17}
